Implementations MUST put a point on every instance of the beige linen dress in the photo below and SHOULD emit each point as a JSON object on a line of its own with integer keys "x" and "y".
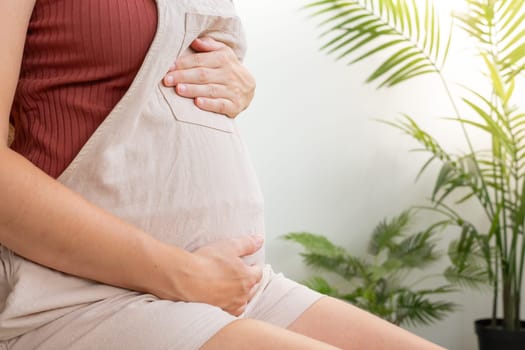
{"x": 182, "y": 175}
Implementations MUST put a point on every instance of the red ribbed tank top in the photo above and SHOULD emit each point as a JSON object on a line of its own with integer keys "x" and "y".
{"x": 79, "y": 59}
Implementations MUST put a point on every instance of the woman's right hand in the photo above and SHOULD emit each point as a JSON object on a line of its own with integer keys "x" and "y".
{"x": 220, "y": 276}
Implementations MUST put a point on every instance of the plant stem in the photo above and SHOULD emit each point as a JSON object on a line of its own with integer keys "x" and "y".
{"x": 488, "y": 206}
{"x": 495, "y": 292}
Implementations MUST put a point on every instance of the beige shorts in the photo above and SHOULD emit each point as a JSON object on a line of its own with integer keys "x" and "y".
{"x": 136, "y": 321}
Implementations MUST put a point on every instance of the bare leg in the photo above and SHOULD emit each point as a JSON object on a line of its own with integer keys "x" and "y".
{"x": 348, "y": 327}
{"x": 256, "y": 335}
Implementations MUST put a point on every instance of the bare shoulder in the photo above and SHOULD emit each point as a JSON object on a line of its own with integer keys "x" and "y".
{"x": 14, "y": 19}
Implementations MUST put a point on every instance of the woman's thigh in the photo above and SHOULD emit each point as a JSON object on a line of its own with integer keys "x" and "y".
{"x": 134, "y": 321}
{"x": 258, "y": 335}
{"x": 327, "y": 324}
{"x": 290, "y": 316}
{"x": 129, "y": 322}
{"x": 348, "y": 327}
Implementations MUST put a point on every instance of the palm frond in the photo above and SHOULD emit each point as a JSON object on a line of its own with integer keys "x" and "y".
{"x": 466, "y": 172}
{"x": 316, "y": 244}
{"x": 320, "y": 253}
{"x": 387, "y": 230}
{"x": 471, "y": 277}
{"x": 409, "y": 126}
{"x": 320, "y": 285}
{"x": 510, "y": 17}
{"x": 413, "y": 308}
{"x": 359, "y": 29}
{"x": 498, "y": 24}
{"x": 348, "y": 267}
{"x": 416, "y": 251}
{"x": 439, "y": 290}
{"x": 376, "y": 283}
{"x": 477, "y": 20}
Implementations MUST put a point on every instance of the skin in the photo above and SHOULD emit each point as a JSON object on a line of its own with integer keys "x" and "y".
{"x": 38, "y": 214}
{"x": 328, "y": 324}
{"x": 213, "y": 77}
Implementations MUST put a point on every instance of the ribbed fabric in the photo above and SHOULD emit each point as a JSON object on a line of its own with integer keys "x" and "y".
{"x": 79, "y": 59}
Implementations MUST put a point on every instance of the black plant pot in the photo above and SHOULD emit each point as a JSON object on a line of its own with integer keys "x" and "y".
{"x": 497, "y": 338}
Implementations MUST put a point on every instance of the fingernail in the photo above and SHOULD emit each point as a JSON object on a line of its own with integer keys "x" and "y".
{"x": 181, "y": 87}
{"x": 199, "y": 101}
{"x": 169, "y": 79}
{"x": 259, "y": 239}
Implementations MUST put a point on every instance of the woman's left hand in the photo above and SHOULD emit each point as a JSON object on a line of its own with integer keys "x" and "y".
{"x": 214, "y": 77}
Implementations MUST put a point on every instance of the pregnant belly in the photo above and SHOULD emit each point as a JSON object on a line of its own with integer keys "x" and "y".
{"x": 185, "y": 184}
{"x": 205, "y": 190}
{"x": 181, "y": 174}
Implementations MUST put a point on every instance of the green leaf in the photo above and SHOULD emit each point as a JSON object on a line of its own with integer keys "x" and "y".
{"x": 316, "y": 244}
{"x": 392, "y": 62}
{"x": 320, "y": 285}
{"x": 497, "y": 83}
{"x": 445, "y": 175}
{"x": 380, "y": 48}
{"x": 384, "y": 234}
{"x": 414, "y": 309}
{"x": 416, "y": 251}
{"x": 496, "y": 130}
{"x": 415, "y": 72}
{"x": 365, "y": 28}
{"x": 471, "y": 277}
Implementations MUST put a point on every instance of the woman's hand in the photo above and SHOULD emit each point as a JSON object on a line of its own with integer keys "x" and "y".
{"x": 220, "y": 277}
{"x": 213, "y": 77}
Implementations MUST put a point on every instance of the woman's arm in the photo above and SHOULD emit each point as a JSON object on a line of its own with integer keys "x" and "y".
{"x": 14, "y": 19}
{"x": 45, "y": 222}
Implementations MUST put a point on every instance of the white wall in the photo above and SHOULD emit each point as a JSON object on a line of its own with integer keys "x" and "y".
{"x": 324, "y": 165}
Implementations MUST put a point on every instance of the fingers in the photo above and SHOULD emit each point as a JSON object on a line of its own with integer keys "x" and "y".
{"x": 248, "y": 245}
{"x": 222, "y": 56}
{"x": 206, "y": 90}
{"x": 201, "y": 75}
{"x": 208, "y": 59}
{"x": 237, "y": 247}
{"x": 257, "y": 271}
{"x": 211, "y": 89}
{"x": 217, "y": 105}
{"x": 222, "y": 278}
{"x": 226, "y": 86}
{"x": 253, "y": 291}
{"x": 239, "y": 310}
{"x": 206, "y": 44}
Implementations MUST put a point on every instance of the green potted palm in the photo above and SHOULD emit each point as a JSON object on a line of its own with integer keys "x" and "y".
{"x": 410, "y": 34}
{"x": 381, "y": 282}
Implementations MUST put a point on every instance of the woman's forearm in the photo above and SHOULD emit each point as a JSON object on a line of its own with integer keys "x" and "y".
{"x": 45, "y": 222}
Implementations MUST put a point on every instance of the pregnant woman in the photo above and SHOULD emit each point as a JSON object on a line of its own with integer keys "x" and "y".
{"x": 130, "y": 215}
